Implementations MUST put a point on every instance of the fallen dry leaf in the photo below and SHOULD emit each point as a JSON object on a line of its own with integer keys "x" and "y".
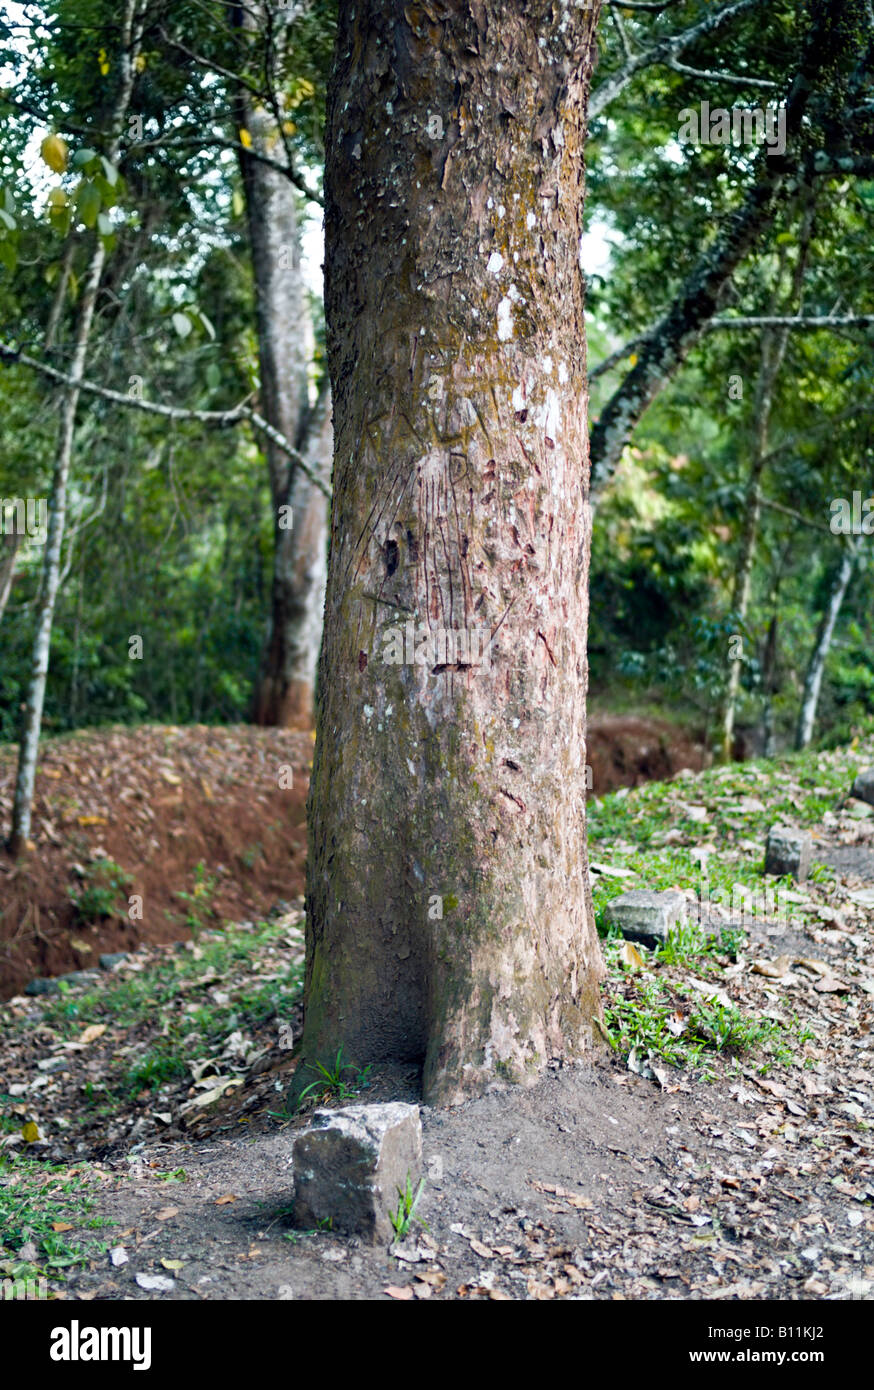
{"x": 630, "y": 956}
{"x": 92, "y": 1033}
{"x": 772, "y": 969}
{"x": 482, "y": 1250}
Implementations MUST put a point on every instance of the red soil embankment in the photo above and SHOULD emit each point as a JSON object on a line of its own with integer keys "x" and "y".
{"x": 159, "y": 801}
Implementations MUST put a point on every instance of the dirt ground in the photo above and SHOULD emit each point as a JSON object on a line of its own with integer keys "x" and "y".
{"x": 158, "y": 801}
{"x": 614, "y": 1180}
{"x": 592, "y": 1184}
{"x": 600, "y": 1182}
{"x": 624, "y": 751}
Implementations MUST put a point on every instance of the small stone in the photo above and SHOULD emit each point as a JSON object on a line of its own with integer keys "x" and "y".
{"x": 111, "y": 959}
{"x": 648, "y": 917}
{"x": 350, "y": 1164}
{"x": 80, "y": 977}
{"x": 863, "y": 787}
{"x": 155, "y": 1283}
{"x": 42, "y": 986}
{"x": 788, "y": 852}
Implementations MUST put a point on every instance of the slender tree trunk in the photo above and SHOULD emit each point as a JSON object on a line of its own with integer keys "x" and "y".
{"x": 299, "y": 584}
{"x": 772, "y": 356}
{"x": 282, "y": 696}
{"x": 772, "y": 353}
{"x": 770, "y": 683}
{"x": 8, "y": 555}
{"x": 822, "y": 645}
{"x": 449, "y": 919}
{"x": 131, "y": 27}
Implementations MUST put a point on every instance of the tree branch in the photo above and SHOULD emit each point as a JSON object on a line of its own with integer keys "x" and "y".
{"x": 812, "y": 321}
{"x": 220, "y": 419}
{"x": 666, "y": 346}
{"x": 737, "y": 77}
{"x": 664, "y": 52}
{"x": 796, "y": 516}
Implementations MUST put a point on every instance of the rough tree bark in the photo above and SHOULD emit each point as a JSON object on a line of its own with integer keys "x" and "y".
{"x": 822, "y": 645}
{"x": 131, "y": 26}
{"x": 449, "y": 916}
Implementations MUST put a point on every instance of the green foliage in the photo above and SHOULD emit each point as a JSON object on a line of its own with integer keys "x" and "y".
{"x": 162, "y": 1063}
{"x": 199, "y": 901}
{"x": 103, "y": 884}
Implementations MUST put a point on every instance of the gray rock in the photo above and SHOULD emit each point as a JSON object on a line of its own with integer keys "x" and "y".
{"x": 648, "y": 917}
{"x": 80, "y": 977}
{"x": 788, "y": 852}
{"x": 42, "y": 986}
{"x": 111, "y": 959}
{"x": 863, "y": 787}
{"x": 349, "y": 1165}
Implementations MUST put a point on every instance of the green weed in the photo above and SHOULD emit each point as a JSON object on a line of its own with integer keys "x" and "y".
{"x": 403, "y": 1218}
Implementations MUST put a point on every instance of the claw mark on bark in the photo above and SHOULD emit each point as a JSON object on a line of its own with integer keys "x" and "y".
{"x": 547, "y": 646}
{"x": 515, "y": 799}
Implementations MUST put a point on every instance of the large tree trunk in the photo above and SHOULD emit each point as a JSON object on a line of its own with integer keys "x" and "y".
{"x": 131, "y": 25}
{"x": 449, "y": 917}
{"x": 822, "y": 645}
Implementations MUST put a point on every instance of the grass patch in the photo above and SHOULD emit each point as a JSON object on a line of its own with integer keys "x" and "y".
{"x": 40, "y": 1204}
{"x": 334, "y": 1082}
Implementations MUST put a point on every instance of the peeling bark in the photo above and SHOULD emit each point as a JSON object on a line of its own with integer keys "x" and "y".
{"x": 449, "y": 918}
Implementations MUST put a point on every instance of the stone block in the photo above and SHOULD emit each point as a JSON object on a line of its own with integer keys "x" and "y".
{"x": 648, "y": 917}
{"x": 349, "y": 1165}
{"x": 788, "y": 852}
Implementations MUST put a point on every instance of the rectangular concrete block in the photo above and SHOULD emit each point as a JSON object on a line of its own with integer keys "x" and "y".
{"x": 349, "y": 1165}
{"x": 648, "y": 917}
{"x": 788, "y": 852}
